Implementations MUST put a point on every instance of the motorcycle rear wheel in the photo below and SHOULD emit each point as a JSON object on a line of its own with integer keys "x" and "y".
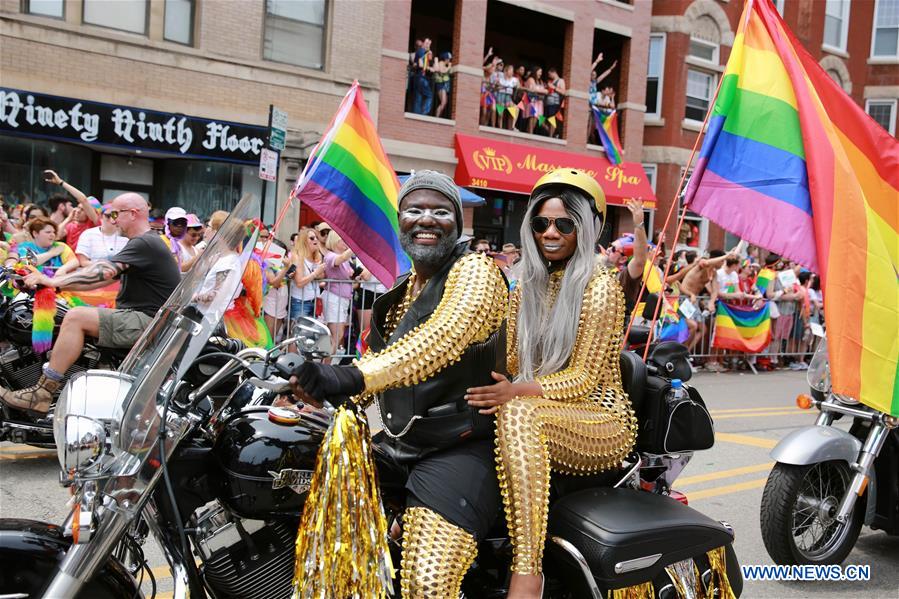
{"x": 797, "y": 514}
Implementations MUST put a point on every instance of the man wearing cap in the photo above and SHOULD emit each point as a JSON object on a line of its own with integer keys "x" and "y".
{"x": 147, "y": 275}
{"x": 440, "y": 330}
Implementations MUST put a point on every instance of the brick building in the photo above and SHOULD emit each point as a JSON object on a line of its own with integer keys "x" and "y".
{"x": 501, "y": 164}
{"x": 854, "y": 41}
{"x": 170, "y": 98}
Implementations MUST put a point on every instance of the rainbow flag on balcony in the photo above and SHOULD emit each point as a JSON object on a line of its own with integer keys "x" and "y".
{"x": 607, "y": 129}
{"x": 350, "y": 182}
{"x": 792, "y": 164}
{"x": 742, "y": 329}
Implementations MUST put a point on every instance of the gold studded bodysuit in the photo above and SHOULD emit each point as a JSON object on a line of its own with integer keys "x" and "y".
{"x": 583, "y": 423}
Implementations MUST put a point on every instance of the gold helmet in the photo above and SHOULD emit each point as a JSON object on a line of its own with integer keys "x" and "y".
{"x": 579, "y": 180}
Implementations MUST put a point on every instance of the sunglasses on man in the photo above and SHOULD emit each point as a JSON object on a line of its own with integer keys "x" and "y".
{"x": 563, "y": 224}
{"x": 114, "y": 214}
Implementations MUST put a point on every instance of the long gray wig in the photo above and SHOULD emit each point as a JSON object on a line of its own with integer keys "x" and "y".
{"x": 546, "y": 334}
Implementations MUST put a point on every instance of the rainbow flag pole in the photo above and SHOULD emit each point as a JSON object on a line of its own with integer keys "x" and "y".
{"x": 350, "y": 182}
{"x": 791, "y": 163}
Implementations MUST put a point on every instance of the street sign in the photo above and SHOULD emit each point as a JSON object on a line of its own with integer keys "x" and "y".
{"x": 268, "y": 164}
{"x": 276, "y": 139}
{"x": 279, "y": 119}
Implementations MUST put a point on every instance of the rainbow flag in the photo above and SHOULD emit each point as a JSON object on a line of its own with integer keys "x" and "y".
{"x": 349, "y": 182}
{"x": 607, "y": 130}
{"x": 766, "y": 275}
{"x": 793, "y": 164}
{"x": 674, "y": 331}
{"x": 742, "y": 329}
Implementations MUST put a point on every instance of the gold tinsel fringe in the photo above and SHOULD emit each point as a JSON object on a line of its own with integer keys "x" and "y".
{"x": 685, "y": 577}
{"x": 643, "y": 590}
{"x": 341, "y": 547}
{"x": 720, "y": 581}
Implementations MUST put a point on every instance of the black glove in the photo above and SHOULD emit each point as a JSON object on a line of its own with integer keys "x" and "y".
{"x": 323, "y": 381}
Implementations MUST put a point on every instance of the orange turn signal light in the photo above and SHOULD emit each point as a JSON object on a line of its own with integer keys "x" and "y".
{"x": 804, "y": 402}
{"x": 76, "y": 524}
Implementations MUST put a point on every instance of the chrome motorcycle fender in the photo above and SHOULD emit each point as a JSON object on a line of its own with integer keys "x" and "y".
{"x": 816, "y": 444}
{"x": 30, "y": 552}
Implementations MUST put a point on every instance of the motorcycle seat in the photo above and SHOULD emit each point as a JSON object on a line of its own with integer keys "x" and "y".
{"x": 638, "y": 335}
{"x": 614, "y": 526}
{"x": 633, "y": 378}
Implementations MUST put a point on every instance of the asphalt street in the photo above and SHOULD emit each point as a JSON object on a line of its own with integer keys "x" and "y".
{"x": 751, "y": 413}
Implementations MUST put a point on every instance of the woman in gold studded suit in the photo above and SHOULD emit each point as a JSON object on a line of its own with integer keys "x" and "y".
{"x": 564, "y": 408}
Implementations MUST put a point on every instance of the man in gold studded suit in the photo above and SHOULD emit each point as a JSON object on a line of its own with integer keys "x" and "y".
{"x": 440, "y": 330}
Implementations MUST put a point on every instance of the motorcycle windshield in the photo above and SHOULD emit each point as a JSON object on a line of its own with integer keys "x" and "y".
{"x": 152, "y": 370}
{"x": 818, "y": 375}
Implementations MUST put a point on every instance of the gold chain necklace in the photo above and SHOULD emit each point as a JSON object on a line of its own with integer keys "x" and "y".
{"x": 398, "y": 311}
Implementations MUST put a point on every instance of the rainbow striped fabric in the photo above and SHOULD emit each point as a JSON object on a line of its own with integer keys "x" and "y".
{"x": 766, "y": 275}
{"x": 791, "y": 163}
{"x": 350, "y": 183}
{"x": 742, "y": 329}
{"x": 607, "y": 129}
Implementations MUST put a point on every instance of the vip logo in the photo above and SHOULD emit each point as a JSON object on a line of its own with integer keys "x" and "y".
{"x": 490, "y": 161}
{"x": 298, "y": 480}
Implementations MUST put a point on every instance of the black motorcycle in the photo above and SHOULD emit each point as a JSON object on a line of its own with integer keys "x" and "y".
{"x": 181, "y": 444}
{"x": 21, "y": 366}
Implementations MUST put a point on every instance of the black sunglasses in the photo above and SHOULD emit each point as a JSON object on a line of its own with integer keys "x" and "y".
{"x": 563, "y": 224}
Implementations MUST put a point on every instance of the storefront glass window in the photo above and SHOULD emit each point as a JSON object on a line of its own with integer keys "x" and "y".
{"x": 23, "y": 160}
{"x": 203, "y": 187}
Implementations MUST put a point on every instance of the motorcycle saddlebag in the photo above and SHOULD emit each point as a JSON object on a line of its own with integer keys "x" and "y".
{"x": 613, "y": 527}
{"x": 672, "y": 427}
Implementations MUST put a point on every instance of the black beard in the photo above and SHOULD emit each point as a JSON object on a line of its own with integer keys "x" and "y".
{"x": 428, "y": 256}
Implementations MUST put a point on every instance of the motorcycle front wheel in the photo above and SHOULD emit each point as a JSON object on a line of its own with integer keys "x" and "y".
{"x": 798, "y": 514}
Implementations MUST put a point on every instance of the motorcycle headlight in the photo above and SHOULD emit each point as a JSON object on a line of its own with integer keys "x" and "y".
{"x": 86, "y": 419}
{"x": 85, "y": 442}
{"x": 845, "y": 399}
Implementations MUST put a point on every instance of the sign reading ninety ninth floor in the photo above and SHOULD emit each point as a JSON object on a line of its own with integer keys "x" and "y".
{"x": 68, "y": 119}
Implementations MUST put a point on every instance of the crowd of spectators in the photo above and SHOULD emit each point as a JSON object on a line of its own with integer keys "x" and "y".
{"x": 429, "y": 80}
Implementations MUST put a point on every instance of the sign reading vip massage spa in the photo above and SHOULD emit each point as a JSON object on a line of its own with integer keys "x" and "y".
{"x": 66, "y": 119}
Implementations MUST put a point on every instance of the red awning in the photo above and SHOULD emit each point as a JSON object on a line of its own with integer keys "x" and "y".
{"x": 503, "y": 166}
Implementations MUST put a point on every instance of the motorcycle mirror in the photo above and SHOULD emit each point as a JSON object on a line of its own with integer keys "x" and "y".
{"x": 286, "y": 364}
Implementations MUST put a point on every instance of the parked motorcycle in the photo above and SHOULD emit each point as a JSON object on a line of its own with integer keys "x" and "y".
{"x": 827, "y": 481}
{"x": 174, "y": 418}
{"x": 21, "y": 366}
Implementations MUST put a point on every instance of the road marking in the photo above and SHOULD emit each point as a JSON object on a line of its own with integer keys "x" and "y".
{"x": 161, "y": 572}
{"x": 27, "y": 456}
{"x": 701, "y": 478}
{"x": 756, "y": 414}
{"x": 727, "y": 489}
{"x": 745, "y": 410}
{"x": 22, "y": 449}
{"x": 745, "y": 440}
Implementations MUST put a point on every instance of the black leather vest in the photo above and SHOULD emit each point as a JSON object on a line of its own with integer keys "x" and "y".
{"x": 445, "y": 418}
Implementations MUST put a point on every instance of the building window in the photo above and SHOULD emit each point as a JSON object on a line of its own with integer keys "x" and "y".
{"x": 836, "y": 24}
{"x": 295, "y": 32}
{"x": 179, "y": 21}
{"x": 700, "y": 87}
{"x": 884, "y": 112}
{"x": 45, "y": 8}
{"x": 702, "y": 50}
{"x": 779, "y": 5}
{"x": 885, "y": 41}
{"x": 127, "y": 15}
{"x": 694, "y": 232}
{"x": 654, "y": 75}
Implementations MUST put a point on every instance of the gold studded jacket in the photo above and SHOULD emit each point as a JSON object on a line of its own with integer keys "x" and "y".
{"x": 451, "y": 337}
{"x": 594, "y": 362}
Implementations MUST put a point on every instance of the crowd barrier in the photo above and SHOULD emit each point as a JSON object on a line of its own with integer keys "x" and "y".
{"x": 777, "y": 354}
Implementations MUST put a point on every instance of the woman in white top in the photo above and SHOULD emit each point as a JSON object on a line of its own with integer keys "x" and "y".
{"x": 100, "y": 243}
{"x": 307, "y": 257}
{"x": 193, "y": 234}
